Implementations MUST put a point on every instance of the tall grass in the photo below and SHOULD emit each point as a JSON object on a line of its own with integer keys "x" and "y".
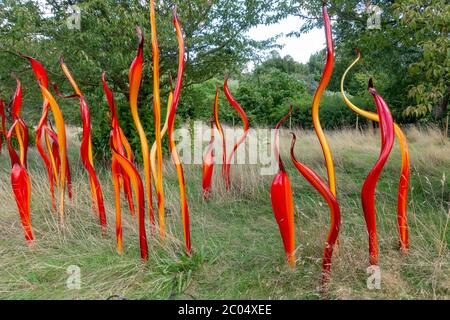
{"x": 237, "y": 246}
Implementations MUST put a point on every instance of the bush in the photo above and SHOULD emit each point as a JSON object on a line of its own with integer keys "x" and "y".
{"x": 333, "y": 112}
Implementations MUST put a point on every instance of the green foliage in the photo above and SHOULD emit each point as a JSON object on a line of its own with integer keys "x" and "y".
{"x": 334, "y": 114}
{"x": 215, "y": 34}
{"x": 266, "y": 92}
{"x": 408, "y": 55}
{"x": 407, "y": 58}
{"x": 429, "y": 22}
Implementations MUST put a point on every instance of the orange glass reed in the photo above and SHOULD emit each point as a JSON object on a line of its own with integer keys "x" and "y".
{"x": 51, "y": 141}
{"x": 135, "y": 77}
{"x": 21, "y": 129}
{"x": 86, "y": 149}
{"x": 163, "y": 132}
{"x": 368, "y": 189}
{"x": 244, "y": 118}
{"x": 21, "y": 185}
{"x": 172, "y": 145}
{"x": 402, "y": 194}
{"x": 122, "y": 163}
{"x": 335, "y": 213}
{"x": 316, "y": 102}
{"x": 124, "y": 170}
{"x": 157, "y": 116}
{"x": 282, "y": 200}
{"x": 222, "y": 135}
{"x": 20, "y": 180}
{"x": 41, "y": 76}
{"x": 208, "y": 164}
{"x": 62, "y": 147}
{"x": 121, "y": 143}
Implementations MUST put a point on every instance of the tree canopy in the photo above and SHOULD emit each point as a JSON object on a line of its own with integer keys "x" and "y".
{"x": 215, "y": 37}
{"x": 407, "y": 54}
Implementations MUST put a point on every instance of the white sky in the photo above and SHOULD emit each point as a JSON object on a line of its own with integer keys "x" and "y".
{"x": 299, "y": 48}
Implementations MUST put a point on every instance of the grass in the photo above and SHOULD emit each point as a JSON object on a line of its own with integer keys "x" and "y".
{"x": 237, "y": 247}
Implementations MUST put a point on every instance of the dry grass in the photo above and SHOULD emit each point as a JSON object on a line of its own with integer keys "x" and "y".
{"x": 237, "y": 247}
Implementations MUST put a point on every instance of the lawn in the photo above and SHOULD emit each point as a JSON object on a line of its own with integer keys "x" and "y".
{"x": 237, "y": 249}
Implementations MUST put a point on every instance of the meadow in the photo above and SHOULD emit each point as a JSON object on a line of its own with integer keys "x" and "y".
{"x": 237, "y": 248}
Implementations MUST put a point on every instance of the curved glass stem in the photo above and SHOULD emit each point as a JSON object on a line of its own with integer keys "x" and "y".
{"x": 173, "y": 150}
{"x": 403, "y": 184}
{"x": 368, "y": 189}
{"x": 316, "y": 102}
{"x": 244, "y": 118}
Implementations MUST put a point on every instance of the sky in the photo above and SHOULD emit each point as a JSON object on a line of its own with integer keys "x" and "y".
{"x": 299, "y": 48}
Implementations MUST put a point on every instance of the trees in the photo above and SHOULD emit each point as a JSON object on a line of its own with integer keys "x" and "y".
{"x": 427, "y": 24}
{"x": 215, "y": 35}
{"x": 407, "y": 55}
{"x": 267, "y": 92}
{"x": 214, "y": 30}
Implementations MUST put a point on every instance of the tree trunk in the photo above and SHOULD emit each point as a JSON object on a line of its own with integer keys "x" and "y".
{"x": 440, "y": 114}
{"x": 440, "y": 111}
{"x": 446, "y": 129}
